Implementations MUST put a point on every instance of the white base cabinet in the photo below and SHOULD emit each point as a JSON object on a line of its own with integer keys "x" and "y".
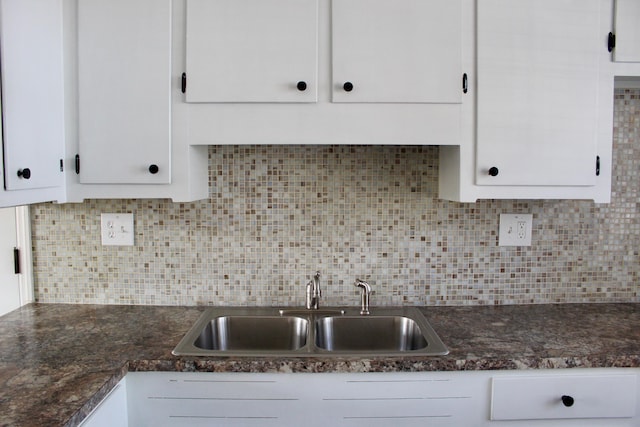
{"x": 237, "y": 399}
{"x": 112, "y": 411}
{"x": 569, "y": 396}
{"x": 562, "y": 398}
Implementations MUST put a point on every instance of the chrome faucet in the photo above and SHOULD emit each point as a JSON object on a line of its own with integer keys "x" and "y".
{"x": 313, "y": 292}
{"x": 366, "y": 293}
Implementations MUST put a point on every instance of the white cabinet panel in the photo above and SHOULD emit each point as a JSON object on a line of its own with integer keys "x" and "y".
{"x": 408, "y": 50}
{"x": 252, "y": 50}
{"x": 397, "y": 51}
{"x": 538, "y": 82}
{"x": 112, "y": 411}
{"x": 603, "y": 397}
{"x": 9, "y": 283}
{"x": 627, "y": 31}
{"x": 124, "y": 90}
{"x": 312, "y": 400}
{"x": 32, "y": 95}
{"x": 564, "y": 397}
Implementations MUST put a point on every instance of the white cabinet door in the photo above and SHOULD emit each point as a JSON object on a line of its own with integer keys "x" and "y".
{"x": 311, "y": 400}
{"x": 32, "y": 95}
{"x": 112, "y": 411}
{"x": 15, "y": 232}
{"x": 402, "y": 399}
{"x": 252, "y": 50}
{"x": 9, "y": 283}
{"x": 564, "y": 396}
{"x": 124, "y": 91}
{"x": 244, "y": 59}
{"x": 627, "y": 31}
{"x": 397, "y": 51}
{"x": 538, "y": 82}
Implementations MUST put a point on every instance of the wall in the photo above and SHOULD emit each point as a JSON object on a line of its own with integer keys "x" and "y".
{"x": 276, "y": 214}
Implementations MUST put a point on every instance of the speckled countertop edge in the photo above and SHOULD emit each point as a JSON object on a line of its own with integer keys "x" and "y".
{"x": 59, "y": 361}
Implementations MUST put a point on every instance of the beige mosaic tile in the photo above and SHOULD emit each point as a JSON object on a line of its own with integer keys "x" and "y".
{"x": 276, "y": 214}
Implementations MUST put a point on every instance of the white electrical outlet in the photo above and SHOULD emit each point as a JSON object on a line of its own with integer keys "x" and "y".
{"x": 515, "y": 229}
{"x": 117, "y": 229}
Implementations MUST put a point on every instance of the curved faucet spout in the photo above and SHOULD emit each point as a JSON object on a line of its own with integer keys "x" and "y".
{"x": 366, "y": 293}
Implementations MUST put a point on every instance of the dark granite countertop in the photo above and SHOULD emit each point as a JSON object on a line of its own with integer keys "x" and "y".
{"x": 58, "y": 361}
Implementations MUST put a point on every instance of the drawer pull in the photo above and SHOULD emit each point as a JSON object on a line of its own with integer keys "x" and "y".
{"x": 567, "y": 401}
{"x": 24, "y": 173}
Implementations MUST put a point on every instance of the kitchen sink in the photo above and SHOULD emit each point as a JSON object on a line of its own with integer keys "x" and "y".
{"x": 366, "y": 333}
{"x": 253, "y": 333}
{"x": 261, "y": 331}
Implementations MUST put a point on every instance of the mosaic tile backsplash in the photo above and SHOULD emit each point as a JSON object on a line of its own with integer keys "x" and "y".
{"x": 276, "y": 214}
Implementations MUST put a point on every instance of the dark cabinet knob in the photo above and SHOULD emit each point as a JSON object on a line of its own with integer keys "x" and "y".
{"x": 154, "y": 169}
{"x": 567, "y": 401}
{"x": 347, "y": 86}
{"x": 611, "y": 42}
{"x": 24, "y": 173}
{"x": 493, "y": 171}
{"x": 302, "y": 86}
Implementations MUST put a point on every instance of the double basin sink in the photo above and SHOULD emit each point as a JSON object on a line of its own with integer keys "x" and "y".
{"x": 234, "y": 331}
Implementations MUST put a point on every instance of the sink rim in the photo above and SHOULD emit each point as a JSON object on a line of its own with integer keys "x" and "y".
{"x": 186, "y": 347}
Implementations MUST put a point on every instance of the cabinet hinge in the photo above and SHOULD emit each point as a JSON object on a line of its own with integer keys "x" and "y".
{"x": 597, "y": 165}
{"x": 184, "y": 82}
{"x": 611, "y": 42}
{"x": 77, "y": 164}
{"x": 61, "y": 165}
{"x": 465, "y": 83}
{"x": 16, "y": 260}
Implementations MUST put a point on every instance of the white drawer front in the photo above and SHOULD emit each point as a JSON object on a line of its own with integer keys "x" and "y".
{"x": 540, "y": 397}
{"x": 310, "y": 400}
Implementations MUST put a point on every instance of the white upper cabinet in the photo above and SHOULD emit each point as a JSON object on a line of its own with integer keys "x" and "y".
{"x": 402, "y": 51}
{"x": 543, "y": 117}
{"x": 627, "y": 31}
{"x": 32, "y": 101}
{"x": 538, "y": 88}
{"x": 252, "y": 50}
{"x": 396, "y": 51}
{"x": 124, "y": 91}
{"x": 275, "y": 71}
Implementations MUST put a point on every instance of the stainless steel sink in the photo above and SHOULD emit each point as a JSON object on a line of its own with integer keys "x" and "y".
{"x": 369, "y": 334}
{"x": 248, "y": 331}
{"x": 254, "y": 333}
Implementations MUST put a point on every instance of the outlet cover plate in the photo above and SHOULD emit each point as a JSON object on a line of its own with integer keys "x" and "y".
{"x": 515, "y": 229}
{"x": 117, "y": 229}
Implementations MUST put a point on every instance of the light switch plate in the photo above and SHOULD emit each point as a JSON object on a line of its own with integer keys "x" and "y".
{"x": 515, "y": 229}
{"x": 117, "y": 229}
